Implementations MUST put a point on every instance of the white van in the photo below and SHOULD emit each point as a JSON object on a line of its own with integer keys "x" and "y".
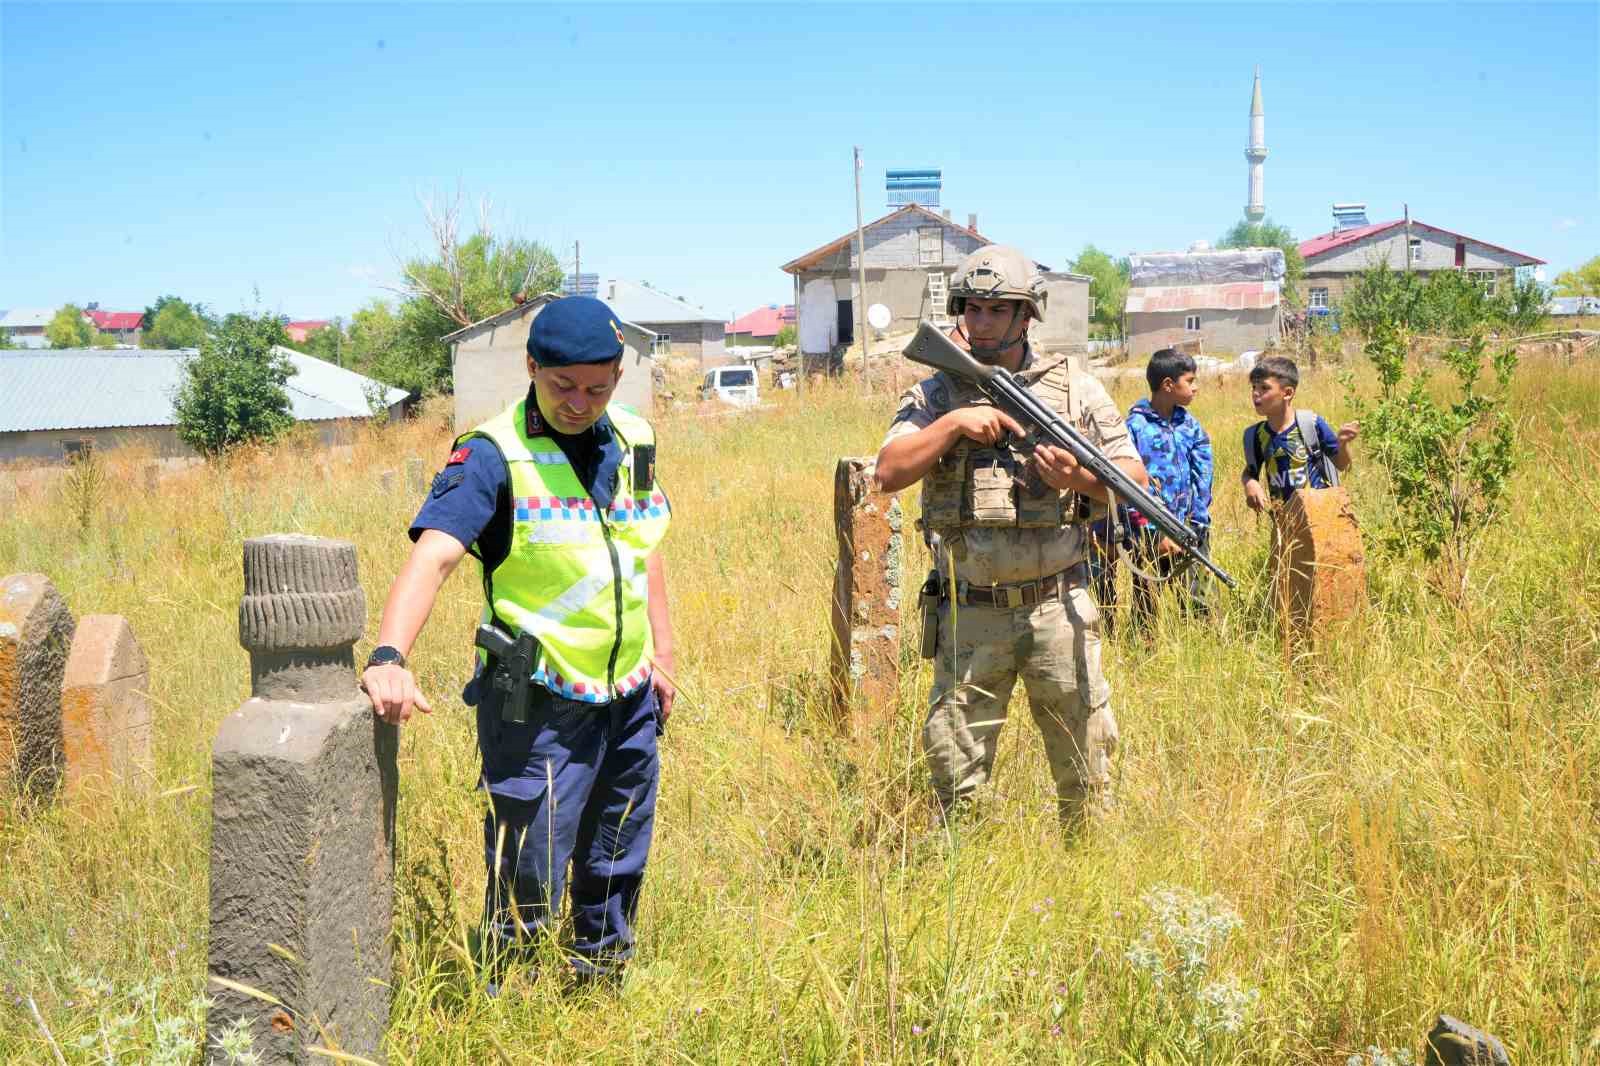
{"x": 730, "y": 384}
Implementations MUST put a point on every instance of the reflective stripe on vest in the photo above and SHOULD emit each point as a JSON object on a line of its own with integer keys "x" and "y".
{"x": 575, "y": 576}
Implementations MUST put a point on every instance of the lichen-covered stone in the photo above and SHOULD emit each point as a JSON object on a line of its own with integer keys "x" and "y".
{"x": 106, "y": 723}
{"x": 865, "y": 671}
{"x": 35, "y": 638}
{"x": 1453, "y": 1042}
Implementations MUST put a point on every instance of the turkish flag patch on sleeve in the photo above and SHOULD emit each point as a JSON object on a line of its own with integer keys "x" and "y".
{"x": 458, "y": 456}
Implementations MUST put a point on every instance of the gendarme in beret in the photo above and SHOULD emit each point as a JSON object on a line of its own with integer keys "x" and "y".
{"x": 575, "y": 330}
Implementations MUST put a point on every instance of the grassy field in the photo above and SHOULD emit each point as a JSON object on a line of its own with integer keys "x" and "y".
{"x": 1305, "y": 860}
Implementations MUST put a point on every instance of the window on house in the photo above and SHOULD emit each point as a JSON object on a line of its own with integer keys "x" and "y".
{"x": 1416, "y": 249}
{"x": 1191, "y": 323}
{"x": 930, "y": 245}
{"x": 1091, "y": 307}
{"x": 1487, "y": 280}
{"x": 74, "y": 450}
{"x": 1319, "y": 297}
{"x": 662, "y": 344}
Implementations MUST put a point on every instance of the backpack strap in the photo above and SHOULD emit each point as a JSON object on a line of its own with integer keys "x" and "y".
{"x": 1306, "y": 423}
{"x": 1252, "y": 448}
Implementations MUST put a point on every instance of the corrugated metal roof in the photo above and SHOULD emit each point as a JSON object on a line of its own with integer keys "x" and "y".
{"x": 135, "y": 388}
{"x": 642, "y": 337}
{"x": 1327, "y": 242}
{"x": 27, "y": 318}
{"x": 641, "y": 303}
{"x": 764, "y": 321}
{"x": 1236, "y": 296}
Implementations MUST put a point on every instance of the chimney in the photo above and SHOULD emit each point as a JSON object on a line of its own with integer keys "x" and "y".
{"x": 947, "y": 213}
{"x": 972, "y": 222}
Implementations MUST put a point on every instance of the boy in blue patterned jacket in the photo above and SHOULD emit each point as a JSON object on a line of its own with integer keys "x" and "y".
{"x": 1177, "y": 453}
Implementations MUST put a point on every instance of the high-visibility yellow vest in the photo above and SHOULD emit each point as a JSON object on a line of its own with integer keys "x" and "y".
{"x": 575, "y": 574}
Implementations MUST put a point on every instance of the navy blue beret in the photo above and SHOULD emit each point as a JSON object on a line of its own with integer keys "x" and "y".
{"x": 574, "y": 330}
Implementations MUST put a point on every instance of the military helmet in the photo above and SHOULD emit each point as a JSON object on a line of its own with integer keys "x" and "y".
{"x": 996, "y": 272}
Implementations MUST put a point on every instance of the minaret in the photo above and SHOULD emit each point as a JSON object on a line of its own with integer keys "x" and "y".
{"x": 1256, "y": 209}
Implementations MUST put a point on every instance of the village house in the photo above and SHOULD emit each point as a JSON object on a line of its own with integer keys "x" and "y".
{"x": 298, "y": 331}
{"x": 1334, "y": 259}
{"x": 120, "y": 327}
{"x": 489, "y": 363}
{"x": 680, "y": 328}
{"x": 761, "y": 326}
{"x": 24, "y": 327}
{"x": 1204, "y": 300}
{"x": 910, "y": 254}
{"x": 49, "y": 416}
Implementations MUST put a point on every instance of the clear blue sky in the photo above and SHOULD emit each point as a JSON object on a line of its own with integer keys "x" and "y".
{"x": 211, "y": 150}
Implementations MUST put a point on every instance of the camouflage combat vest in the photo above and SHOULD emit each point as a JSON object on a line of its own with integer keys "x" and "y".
{"x": 977, "y": 485}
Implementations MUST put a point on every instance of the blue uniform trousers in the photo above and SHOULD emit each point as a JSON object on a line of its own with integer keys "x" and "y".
{"x": 575, "y": 784}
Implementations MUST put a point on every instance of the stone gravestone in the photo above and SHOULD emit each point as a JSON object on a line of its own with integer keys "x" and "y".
{"x": 865, "y": 669}
{"x": 35, "y": 637}
{"x": 1319, "y": 567}
{"x": 416, "y": 476}
{"x": 1453, "y": 1042}
{"x": 105, "y": 706}
{"x": 303, "y": 800}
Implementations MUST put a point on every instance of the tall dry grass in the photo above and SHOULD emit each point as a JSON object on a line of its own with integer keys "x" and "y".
{"x": 1406, "y": 824}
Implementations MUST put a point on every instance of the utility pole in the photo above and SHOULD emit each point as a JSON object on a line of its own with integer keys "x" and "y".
{"x": 1408, "y": 237}
{"x": 861, "y": 277}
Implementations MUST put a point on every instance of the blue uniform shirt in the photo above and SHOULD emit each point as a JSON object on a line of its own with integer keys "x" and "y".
{"x": 1287, "y": 457}
{"x": 1177, "y": 453}
{"x": 470, "y": 498}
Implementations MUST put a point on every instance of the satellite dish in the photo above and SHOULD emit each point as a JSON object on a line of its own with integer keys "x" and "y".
{"x": 879, "y": 316}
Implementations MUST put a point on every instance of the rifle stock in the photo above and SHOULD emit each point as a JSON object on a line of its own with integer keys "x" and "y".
{"x": 932, "y": 348}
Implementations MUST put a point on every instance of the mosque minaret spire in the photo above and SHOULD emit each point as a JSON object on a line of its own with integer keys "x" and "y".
{"x": 1256, "y": 209}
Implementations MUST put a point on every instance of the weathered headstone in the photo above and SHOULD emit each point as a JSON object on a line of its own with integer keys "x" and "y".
{"x": 105, "y": 707}
{"x": 865, "y": 669}
{"x": 1453, "y": 1042}
{"x": 303, "y": 800}
{"x": 1319, "y": 567}
{"x": 35, "y": 637}
{"x": 387, "y": 480}
{"x": 416, "y": 476}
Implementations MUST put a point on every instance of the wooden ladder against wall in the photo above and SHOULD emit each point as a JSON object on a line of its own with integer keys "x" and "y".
{"x": 937, "y": 294}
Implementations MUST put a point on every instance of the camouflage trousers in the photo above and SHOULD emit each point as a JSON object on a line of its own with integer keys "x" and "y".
{"x": 1055, "y": 647}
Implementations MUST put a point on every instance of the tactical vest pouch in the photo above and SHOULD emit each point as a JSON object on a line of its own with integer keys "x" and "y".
{"x": 992, "y": 481}
{"x": 941, "y": 493}
{"x": 1038, "y": 505}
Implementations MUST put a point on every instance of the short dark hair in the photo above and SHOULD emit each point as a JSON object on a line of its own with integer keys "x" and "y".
{"x": 1276, "y": 368}
{"x": 1168, "y": 363}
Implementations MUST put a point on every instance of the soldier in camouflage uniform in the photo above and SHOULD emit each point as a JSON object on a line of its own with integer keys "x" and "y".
{"x": 1010, "y": 528}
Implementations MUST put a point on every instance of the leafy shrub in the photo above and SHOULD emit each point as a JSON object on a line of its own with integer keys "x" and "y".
{"x": 233, "y": 390}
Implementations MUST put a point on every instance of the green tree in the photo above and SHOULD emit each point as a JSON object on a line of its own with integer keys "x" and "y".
{"x": 233, "y": 390}
{"x": 69, "y": 329}
{"x": 462, "y": 282}
{"x": 1109, "y": 288}
{"x": 175, "y": 324}
{"x": 326, "y": 343}
{"x": 1580, "y": 281}
{"x": 1268, "y": 234}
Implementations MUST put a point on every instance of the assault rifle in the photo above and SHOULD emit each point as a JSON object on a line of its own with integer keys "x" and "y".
{"x": 931, "y": 347}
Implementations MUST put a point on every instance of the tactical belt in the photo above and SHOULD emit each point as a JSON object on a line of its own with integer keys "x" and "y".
{"x": 1027, "y": 593}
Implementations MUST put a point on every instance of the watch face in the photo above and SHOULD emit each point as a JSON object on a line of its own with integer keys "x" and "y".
{"x": 383, "y": 656}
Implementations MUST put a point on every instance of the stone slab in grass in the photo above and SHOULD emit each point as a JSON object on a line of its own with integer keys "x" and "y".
{"x": 35, "y": 639}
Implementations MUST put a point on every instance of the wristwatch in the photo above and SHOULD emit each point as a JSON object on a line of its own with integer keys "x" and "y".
{"x": 384, "y": 655}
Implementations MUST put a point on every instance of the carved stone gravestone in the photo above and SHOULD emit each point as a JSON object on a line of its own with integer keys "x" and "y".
{"x": 865, "y": 669}
{"x": 35, "y": 637}
{"x": 105, "y": 707}
{"x": 1319, "y": 566}
{"x": 303, "y": 800}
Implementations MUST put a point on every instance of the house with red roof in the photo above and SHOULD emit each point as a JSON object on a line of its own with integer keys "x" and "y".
{"x": 760, "y": 326}
{"x": 1334, "y": 259}
{"x": 123, "y": 327}
{"x": 299, "y": 331}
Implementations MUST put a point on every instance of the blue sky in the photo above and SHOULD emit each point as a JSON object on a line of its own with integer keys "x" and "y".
{"x": 213, "y": 150}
